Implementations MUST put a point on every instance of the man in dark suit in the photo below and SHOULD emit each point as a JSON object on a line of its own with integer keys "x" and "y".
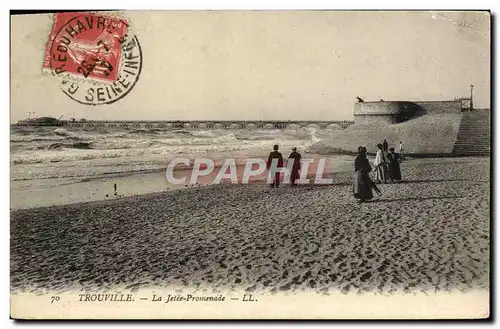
{"x": 275, "y": 174}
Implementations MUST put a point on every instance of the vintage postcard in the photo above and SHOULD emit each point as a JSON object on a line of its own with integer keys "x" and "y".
{"x": 250, "y": 165}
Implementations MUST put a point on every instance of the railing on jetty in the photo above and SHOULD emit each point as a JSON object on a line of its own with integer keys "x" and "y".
{"x": 210, "y": 124}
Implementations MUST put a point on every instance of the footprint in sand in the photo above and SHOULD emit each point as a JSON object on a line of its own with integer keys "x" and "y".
{"x": 365, "y": 277}
{"x": 286, "y": 287}
{"x": 339, "y": 258}
{"x": 334, "y": 277}
{"x": 342, "y": 266}
{"x": 296, "y": 280}
{"x": 345, "y": 289}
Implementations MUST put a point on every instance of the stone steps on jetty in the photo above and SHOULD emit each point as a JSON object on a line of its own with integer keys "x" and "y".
{"x": 474, "y": 134}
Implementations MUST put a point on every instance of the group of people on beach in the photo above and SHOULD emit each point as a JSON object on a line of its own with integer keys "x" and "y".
{"x": 295, "y": 172}
{"x": 387, "y": 163}
{"x": 387, "y": 168}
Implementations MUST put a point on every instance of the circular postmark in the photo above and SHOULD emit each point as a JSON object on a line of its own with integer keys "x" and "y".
{"x": 97, "y": 57}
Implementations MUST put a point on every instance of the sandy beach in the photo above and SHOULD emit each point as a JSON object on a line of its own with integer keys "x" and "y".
{"x": 430, "y": 233}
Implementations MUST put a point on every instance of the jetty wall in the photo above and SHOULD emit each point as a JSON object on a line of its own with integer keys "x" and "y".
{"x": 426, "y": 128}
{"x": 390, "y": 112}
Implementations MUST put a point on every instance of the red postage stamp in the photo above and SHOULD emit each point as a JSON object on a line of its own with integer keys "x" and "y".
{"x": 86, "y": 44}
{"x": 96, "y": 56}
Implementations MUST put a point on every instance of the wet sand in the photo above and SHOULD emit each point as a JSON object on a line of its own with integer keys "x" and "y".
{"x": 33, "y": 193}
{"x": 430, "y": 233}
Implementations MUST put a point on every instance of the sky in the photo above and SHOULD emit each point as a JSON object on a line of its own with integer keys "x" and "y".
{"x": 270, "y": 65}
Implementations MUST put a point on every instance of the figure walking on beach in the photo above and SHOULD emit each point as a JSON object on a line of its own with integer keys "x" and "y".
{"x": 394, "y": 168}
{"x": 401, "y": 150}
{"x": 362, "y": 184}
{"x": 385, "y": 146}
{"x": 273, "y": 172}
{"x": 295, "y": 174}
{"x": 380, "y": 163}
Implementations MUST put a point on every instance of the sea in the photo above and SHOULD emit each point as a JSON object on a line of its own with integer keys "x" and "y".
{"x": 83, "y": 152}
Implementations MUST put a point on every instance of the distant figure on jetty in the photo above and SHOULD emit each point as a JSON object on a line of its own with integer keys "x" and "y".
{"x": 401, "y": 150}
{"x": 380, "y": 163}
{"x": 359, "y": 99}
{"x": 382, "y": 100}
{"x": 275, "y": 175}
{"x": 362, "y": 184}
{"x": 394, "y": 168}
{"x": 295, "y": 174}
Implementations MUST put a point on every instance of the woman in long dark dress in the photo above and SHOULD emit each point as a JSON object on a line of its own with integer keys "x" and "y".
{"x": 394, "y": 168}
{"x": 362, "y": 185}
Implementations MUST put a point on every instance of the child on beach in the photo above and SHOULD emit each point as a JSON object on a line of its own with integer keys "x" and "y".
{"x": 401, "y": 150}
